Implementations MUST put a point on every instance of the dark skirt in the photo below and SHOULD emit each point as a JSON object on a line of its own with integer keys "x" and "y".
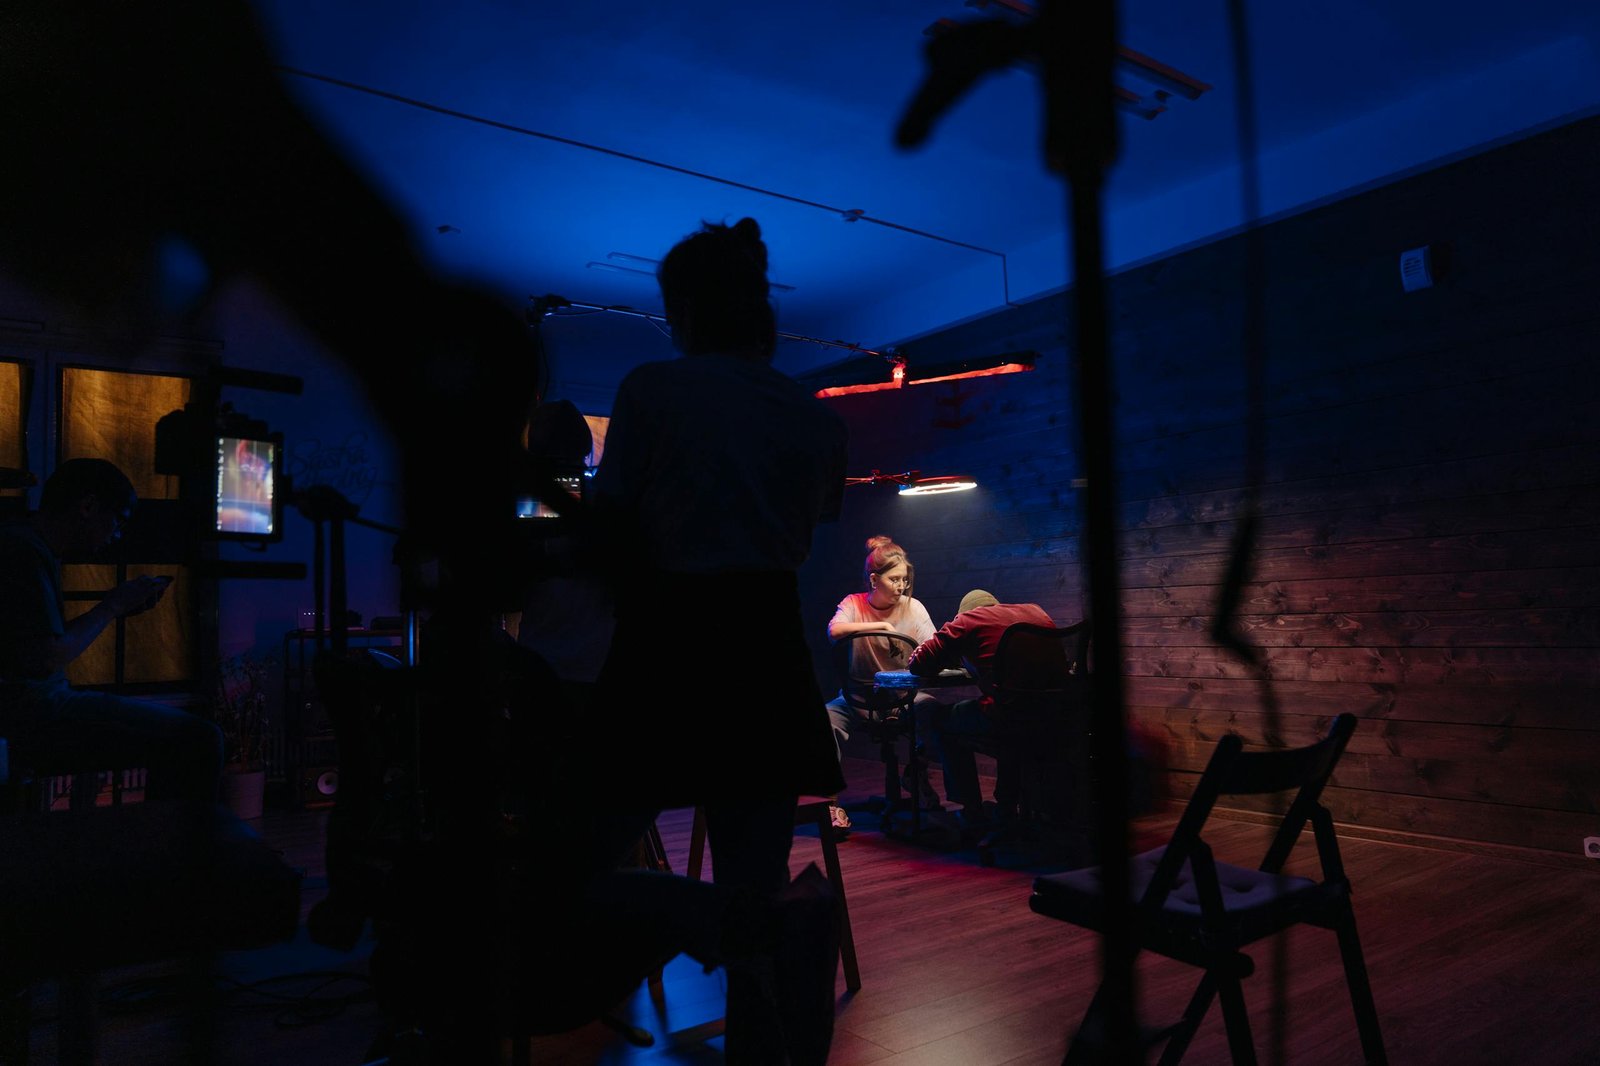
{"x": 689, "y": 711}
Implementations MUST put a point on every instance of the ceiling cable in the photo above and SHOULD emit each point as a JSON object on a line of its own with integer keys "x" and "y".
{"x": 849, "y": 215}
{"x": 556, "y": 307}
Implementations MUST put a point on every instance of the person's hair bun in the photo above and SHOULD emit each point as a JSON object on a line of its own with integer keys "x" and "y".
{"x": 747, "y": 231}
{"x": 718, "y": 278}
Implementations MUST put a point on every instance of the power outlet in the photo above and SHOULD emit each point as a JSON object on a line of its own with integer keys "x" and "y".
{"x": 1416, "y": 268}
{"x": 1591, "y": 847}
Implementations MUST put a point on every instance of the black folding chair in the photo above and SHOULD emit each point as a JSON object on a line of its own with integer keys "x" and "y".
{"x": 1197, "y": 910}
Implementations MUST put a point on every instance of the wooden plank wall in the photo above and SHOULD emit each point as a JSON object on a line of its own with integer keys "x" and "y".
{"x": 1426, "y": 556}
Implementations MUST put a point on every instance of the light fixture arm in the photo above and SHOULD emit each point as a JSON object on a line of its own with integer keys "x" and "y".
{"x": 877, "y": 477}
{"x": 912, "y": 483}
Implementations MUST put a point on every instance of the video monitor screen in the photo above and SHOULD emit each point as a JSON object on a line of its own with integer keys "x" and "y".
{"x": 247, "y": 505}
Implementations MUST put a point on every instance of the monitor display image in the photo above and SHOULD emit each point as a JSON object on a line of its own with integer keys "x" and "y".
{"x": 247, "y": 481}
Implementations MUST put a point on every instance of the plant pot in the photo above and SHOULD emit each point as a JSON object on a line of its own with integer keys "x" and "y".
{"x": 242, "y": 791}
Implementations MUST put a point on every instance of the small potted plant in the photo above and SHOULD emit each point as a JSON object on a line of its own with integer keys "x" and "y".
{"x": 240, "y": 711}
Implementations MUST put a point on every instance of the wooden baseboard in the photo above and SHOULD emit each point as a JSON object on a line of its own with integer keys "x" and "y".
{"x": 1508, "y": 852}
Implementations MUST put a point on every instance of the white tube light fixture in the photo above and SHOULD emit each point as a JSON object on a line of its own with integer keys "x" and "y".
{"x": 912, "y": 483}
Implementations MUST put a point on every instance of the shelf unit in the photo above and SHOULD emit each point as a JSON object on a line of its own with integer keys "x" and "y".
{"x": 303, "y": 753}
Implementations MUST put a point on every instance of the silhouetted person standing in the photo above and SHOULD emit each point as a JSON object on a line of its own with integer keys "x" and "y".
{"x": 717, "y": 469}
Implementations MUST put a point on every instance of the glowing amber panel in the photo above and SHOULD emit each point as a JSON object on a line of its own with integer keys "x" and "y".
{"x": 598, "y": 424}
{"x": 109, "y": 414}
{"x": 14, "y": 378}
{"x": 160, "y": 642}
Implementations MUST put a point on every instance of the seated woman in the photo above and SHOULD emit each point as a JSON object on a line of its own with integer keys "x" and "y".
{"x": 886, "y": 606}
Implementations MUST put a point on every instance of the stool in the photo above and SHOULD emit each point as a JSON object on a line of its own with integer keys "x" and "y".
{"x": 812, "y": 809}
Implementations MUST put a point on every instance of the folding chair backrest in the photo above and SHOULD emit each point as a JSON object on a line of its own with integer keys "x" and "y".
{"x": 1042, "y": 671}
{"x": 1232, "y": 771}
{"x": 1204, "y": 911}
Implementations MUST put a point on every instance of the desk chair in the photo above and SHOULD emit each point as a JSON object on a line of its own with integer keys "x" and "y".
{"x": 885, "y": 716}
{"x": 1197, "y": 910}
{"x": 1041, "y": 718}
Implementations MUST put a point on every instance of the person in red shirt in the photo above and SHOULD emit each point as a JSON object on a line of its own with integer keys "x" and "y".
{"x": 969, "y": 640}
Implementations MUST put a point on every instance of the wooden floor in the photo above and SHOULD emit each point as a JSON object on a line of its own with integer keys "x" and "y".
{"x": 1474, "y": 959}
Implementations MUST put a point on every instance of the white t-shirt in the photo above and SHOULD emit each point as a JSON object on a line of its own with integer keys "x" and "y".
{"x": 907, "y": 616}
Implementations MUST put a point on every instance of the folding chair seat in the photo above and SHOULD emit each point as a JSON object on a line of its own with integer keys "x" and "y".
{"x": 1190, "y": 907}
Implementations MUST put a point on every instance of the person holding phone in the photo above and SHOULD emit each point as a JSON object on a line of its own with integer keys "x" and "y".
{"x": 48, "y": 724}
